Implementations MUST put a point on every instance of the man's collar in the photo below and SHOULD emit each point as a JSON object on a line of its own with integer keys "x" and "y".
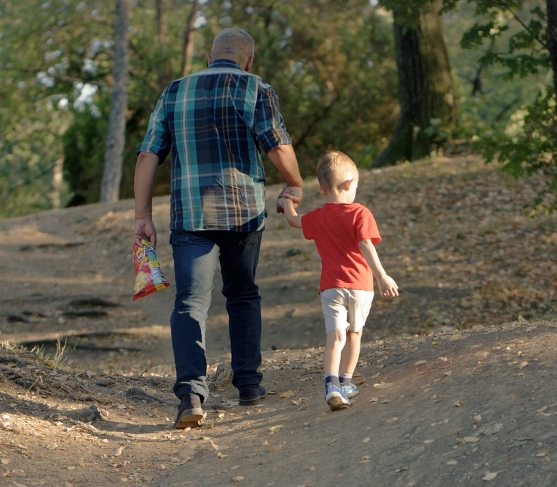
{"x": 224, "y": 63}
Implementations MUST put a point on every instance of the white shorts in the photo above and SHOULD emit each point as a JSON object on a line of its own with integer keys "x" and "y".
{"x": 345, "y": 309}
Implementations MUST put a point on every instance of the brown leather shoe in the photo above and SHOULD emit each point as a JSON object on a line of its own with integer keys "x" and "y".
{"x": 190, "y": 414}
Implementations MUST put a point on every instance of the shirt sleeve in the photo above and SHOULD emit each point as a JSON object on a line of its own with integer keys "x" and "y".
{"x": 157, "y": 139}
{"x": 308, "y": 226}
{"x": 269, "y": 127}
{"x": 366, "y": 227}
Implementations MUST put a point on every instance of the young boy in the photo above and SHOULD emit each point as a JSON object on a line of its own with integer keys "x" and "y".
{"x": 345, "y": 233}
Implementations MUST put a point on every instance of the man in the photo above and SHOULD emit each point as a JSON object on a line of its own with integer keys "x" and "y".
{"x": 215, "y": 121}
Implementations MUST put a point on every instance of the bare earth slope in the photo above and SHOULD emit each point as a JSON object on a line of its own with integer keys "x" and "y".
{"x": 457, "y": 375}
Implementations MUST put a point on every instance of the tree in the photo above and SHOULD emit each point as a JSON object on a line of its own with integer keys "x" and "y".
{"x": 332, "y": 65}
{"x": 529, "y": 146}
{"x": 552, "y": 38}
{"x": 115, "y": 140}
{"x": 189, "y": 33}
{"x": 426, "y": 95}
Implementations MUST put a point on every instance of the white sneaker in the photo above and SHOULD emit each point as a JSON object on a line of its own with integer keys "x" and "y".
{"x": 350, "y": 389}
{"x": 335, "y": 397}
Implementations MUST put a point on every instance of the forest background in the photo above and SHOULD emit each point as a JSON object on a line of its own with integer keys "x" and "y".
{"x": 334, "y": 65}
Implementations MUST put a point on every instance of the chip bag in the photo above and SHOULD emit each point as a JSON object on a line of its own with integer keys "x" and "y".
{"x": 148, "y": 275}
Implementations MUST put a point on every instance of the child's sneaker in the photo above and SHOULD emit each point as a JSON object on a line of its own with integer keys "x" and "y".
{"x": 350, "y": 390}
{"x": 335, "y": 397}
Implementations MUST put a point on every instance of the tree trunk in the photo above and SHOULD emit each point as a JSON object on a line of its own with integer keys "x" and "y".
{"x": 57, "y": 180}
{"x": 161, "y": 26}
{"x": 426, "y": 94}
{"x": 552, "y": 37}
{"x": 115, "y": 139}
{"x": 187, "y": 48}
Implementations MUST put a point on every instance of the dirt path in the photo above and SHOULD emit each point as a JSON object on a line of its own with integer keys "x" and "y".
{"x": 449, "y": 409}
{"x": 480, "y": 409}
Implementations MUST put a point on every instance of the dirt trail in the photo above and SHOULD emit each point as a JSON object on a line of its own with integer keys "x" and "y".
{"x": 457, "y": 375}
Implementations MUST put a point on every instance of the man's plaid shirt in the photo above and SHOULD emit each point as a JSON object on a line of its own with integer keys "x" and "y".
{"x": 215, "y": 121}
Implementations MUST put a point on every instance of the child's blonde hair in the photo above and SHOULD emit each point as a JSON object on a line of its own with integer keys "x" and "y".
{"x": 333, "y": 169}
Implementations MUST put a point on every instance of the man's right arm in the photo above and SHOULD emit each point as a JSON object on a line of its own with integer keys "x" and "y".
{"x": 144, "y": 182}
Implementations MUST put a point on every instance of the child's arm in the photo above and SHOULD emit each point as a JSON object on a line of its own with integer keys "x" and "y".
{"x": 387, "y": 285}
{"x": 294, "y": 220}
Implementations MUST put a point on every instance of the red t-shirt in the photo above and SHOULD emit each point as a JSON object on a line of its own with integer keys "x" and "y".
{"x": 337, "y": 230}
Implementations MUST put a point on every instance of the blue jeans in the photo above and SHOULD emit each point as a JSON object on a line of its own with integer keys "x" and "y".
{"x": 196, "y": 257}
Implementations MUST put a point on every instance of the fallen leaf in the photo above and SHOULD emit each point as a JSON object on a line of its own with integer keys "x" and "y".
{"x": 310, "y": 469}
{"x": 215, "y": 447}
{"x": 490, "y": 475}
{"x": 420, "y": 362}
{"x": 221, "y": 455}
{"x": 383, "y": 385}
{"x": 523, "y": 364}
{"x": 449, "y": 372}
{"x": 458, "y": 403}
{"x": 452, "y": 462}
{"x": 237, "y": 478}
{"x": 427, "y": 442}
{"x": 392, "y": 420}
{"x": 360, "y": 381}
{"x": 287, "y": 394}
{"x": 477, "y": 418}
{"x": 275, "y": 448}
{"x": 374, "y": 399}
{"x": 470, "y": 439}
{"x": 444, "y": 359}
{"x": 118, "y": 452}
{"x": 543, "y": 453}
{"x": 367, "y": 439}
{"x": 276, "y": 428}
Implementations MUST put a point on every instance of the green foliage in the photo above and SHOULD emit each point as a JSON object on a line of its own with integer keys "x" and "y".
{"x": 332, "y": 64}
{"x": 84, "y": 144}
{"x": 529, "y": 147}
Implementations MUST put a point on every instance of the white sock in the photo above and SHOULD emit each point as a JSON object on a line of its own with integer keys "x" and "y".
{"x": 345, "y": 378}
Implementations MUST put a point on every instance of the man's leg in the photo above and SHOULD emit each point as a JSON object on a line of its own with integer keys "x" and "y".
{"x": 239, "y": 255}
{"x": 195, "y": 263}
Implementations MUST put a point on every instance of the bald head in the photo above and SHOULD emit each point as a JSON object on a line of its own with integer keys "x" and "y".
{"x": 234, "y": 44}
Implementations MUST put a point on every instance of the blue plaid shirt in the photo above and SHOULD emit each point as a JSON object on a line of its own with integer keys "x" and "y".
{"x": 215, "y": 121}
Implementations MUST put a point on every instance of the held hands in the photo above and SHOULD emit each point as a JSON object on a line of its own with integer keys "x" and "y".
{"x": 292, "y": 193}
{"x": 144, "y": 227}
{"x": 387, "y": 286}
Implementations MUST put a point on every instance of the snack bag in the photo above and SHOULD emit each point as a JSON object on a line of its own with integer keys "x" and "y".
{"x": 148, "y": 275}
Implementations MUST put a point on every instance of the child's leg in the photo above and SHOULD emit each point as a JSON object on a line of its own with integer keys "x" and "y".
{"x": 335, "y": 313}
{"x": 334, "y": 346}
{"x": 348, "y": 362}
{"x": 350, "y": 353}
{"x": 334, "y": 394}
